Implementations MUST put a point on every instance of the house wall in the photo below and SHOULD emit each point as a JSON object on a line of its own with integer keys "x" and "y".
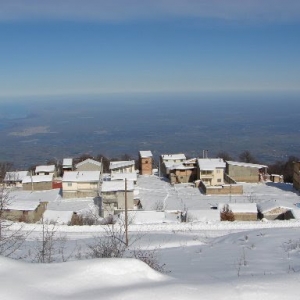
{"x": 296, "y": 176}
{"x": 243, "y": 174}
{"x": 146, "y": 165}
{"x": 129, "y": 169}
{"x": 222, "y": 190}
{"x": 214, "y": 177}
{"x": 37, "y": 186}
{"x": 80, "y": 189}
{"x": 112, "y": 201}
{"x": 47, "y": 173}
{"x": 183, "y": 176}
{"x": 245, "y": 216}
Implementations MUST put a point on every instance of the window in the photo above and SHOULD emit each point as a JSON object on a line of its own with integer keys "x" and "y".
{"x": 69, "y": 183}
{"x": 219, "y": 180}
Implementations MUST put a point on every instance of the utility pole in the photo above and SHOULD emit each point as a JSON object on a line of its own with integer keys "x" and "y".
{"x": 126, "y": 215}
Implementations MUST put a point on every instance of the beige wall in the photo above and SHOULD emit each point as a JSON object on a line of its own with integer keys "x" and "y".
{"x": 146, "y": 165}
{"x": 233, "y": 189}
{"x": 37, "y": 186}
{"x": 243, "y": 174}
{"x": 80, "y": 189}
{"x": 129, "y": 169}
{"x": 214, "y": 177}
{"x": 88, "y": 167}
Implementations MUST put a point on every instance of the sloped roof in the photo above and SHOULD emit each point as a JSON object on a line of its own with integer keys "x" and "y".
{"x": 145, "y": 154}
{"x": 67, "y": 162}
{"x": 272, "y": 204}
{"x": 45, "y": 168}
{"x": 15, "y": 176}
{"x": 81, "y": 176}
{"x": 210, "y": 164}
{"x": 90, "y": 161}
{"x": 116, "y": 185}
{"x": 121, "y": 164}
{"x": 246, "y": 165}
{"x": 26, "y": 200}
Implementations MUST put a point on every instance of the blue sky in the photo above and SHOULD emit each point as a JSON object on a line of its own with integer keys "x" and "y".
{"x": 119, "y": 46}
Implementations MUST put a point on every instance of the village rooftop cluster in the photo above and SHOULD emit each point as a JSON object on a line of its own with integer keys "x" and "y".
{"x": 75, "y": 190}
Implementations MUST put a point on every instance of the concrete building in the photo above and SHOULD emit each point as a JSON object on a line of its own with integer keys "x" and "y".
{"x": 37, "y": 182}
{"x": 67, "y": 164}
{"x": 113, "y": 194}
{"x": 169, "y": 160}
{"x": 211, "y": 171}
{"x": 45, "y": 170}
{"x": 15, "y": 178}
{"x": 122, "y": 166}
{"x": 77, "y": 184}
{"x": 184, "y": 172}
{"x": 246, "y": 172}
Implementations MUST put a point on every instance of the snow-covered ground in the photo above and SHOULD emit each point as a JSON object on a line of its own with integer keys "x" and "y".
{"x": 203, "y": 259}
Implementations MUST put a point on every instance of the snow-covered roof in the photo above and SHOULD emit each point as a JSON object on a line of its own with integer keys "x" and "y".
{"x": 26, "y": 200}
{"x": 211, "y": 163}
{"x": 15, "y": 176}
{"x": 81, "y": 176}
{"x": 173, "y": 156}
{"x": 145, "y": 154}
{"x": 67, "y": 162}
{"x": 90, "y": 161}
{"x": 59, "y": 217}
{"x": 296, "y": 213}
{"x": 272, "y": 204}
{"x": 121, "y": 164}
{"x": 46, "y": 168}
{"x": 178, "y": 167}
{"x": 122, "y": 176}
{"x": 246, "y": 165}
{"x": 117, "y": 185}
{"x": 37, "y": 178}
{"x": 239, "y": 207}
{"x": 72, "y": 204}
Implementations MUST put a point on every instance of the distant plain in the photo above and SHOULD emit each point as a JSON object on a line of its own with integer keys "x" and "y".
{"x": 36, "y": 130}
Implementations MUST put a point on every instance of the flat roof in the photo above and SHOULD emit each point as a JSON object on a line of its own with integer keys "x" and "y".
{"x": 246, "y": 165}
{"x": 145, "y": 154}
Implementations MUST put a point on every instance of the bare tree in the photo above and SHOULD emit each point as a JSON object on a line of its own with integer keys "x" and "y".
{"x": 11, "y": 235}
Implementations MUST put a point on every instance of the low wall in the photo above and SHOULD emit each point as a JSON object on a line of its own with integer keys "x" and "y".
{"x": 233, "y": 189}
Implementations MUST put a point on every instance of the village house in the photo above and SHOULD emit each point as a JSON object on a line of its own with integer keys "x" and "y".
{"x": 24, "y": 206}
{"x": 146, "y": 162}
{"x": 183, "y": 172}
{"x": 77, "y": 184}
{"x": 273, "y": 210}
{"x": 89, "y": 165}
{"x": 211, "y": 171}
{"x": 246, "y": 172}
{"x": 122, "y": 166}
{"x": 169, "y": 160}
{"x": 15, "y": 178}
{"x": 113, "y": 194}
{"x": 67, "y": 164}
{"x": 37, "y": 182}
{"x": 46, "y": 170}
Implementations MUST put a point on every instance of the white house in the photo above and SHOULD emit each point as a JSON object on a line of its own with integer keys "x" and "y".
{"x": 211, "y": 171}
{"x": 45, "y": 170}
{"x": 122, "y": 166}
{"x": 76, "y": 184}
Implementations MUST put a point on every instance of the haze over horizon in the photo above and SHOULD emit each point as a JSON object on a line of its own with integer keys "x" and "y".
{"x": 92, "y": 47}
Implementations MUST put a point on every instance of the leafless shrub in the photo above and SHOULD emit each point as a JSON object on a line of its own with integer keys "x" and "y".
{"x": 227, "y": 214}
{"x": 158, "y": 205}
